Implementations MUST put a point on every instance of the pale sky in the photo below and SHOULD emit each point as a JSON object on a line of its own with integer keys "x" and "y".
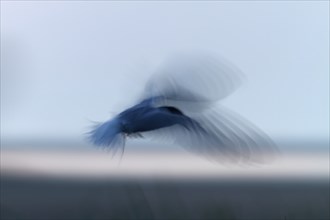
{"x": 65, "y": 63}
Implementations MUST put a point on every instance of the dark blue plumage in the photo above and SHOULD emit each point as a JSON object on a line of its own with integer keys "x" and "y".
{"x": 142, "y": 117}
{"x": 180, "y": 103}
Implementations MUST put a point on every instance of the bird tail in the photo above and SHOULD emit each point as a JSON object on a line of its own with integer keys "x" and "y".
{"x": 108, "y": 135}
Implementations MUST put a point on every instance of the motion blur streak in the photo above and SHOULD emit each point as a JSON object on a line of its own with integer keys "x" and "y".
{"x": 179, "y": 104}
{"x": 40, "y": 184}
{"x": 66, "y": 63}
{"x": 96, "y": 164}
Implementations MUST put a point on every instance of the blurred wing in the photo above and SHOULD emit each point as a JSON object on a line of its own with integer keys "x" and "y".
{"x": 200, "y": 80}
{"x": 225, "y": 138}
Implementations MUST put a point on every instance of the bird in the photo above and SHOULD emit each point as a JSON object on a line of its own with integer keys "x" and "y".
{"x": 181, "y": 104}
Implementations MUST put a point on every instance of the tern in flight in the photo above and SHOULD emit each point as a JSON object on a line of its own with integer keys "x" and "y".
{"x": 181, "y": 103}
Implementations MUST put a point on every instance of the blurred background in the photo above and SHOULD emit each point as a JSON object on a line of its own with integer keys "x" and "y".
{"x": 65, "y": 64}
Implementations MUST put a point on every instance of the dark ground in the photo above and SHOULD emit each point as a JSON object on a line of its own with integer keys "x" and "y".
{"x": 45, "y": 198}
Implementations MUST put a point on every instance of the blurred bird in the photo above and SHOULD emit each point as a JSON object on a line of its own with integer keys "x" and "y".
{"x": 179, "y": 104}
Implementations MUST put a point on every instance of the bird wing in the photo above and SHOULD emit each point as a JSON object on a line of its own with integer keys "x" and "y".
{"x": 195, "y": 80}
{"x": 224, "y": 137}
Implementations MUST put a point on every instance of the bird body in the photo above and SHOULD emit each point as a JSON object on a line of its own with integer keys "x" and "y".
{"x": 149, "y": 118}
{"x": 179, "y": 103}
{"x": 142, "y": 117}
